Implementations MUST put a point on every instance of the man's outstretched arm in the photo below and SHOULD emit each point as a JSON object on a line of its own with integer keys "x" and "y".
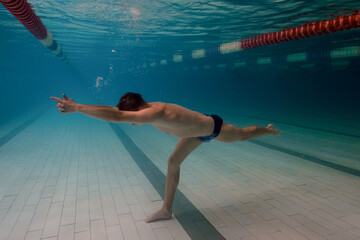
{"x": 102, "y": 112}
{"x": 106, "y": 113}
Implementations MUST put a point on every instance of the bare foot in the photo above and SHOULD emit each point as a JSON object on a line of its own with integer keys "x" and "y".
{"x": 273, "y": 130}
{"x": 161, "y": 214}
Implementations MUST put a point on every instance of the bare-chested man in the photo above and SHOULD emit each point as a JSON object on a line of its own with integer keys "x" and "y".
{"x": 191, "y": 127}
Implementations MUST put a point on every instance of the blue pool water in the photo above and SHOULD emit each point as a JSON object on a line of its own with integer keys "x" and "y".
{"x": 114, "y": 47}
{"x": 111, "y": 39}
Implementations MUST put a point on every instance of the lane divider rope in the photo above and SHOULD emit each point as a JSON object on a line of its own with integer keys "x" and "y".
{"x": 23, "y": 11}
{"x": 307, "y": 30}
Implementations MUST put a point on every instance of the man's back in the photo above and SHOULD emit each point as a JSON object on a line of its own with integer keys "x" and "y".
{"x": 179, "y": 121}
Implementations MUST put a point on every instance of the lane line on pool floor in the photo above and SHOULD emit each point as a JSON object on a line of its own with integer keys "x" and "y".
{"x": 190, "y": 218}
{"x": 14, "y": 132}
{"x": 307, "y": 157}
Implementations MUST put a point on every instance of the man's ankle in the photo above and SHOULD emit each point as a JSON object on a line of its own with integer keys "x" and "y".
{"x": 168, "y": 210}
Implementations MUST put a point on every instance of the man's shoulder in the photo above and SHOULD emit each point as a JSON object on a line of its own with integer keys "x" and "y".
{"x": 167, "y": 108}
{"x": 156, "y": 107}
{"x": 160, "y": 105}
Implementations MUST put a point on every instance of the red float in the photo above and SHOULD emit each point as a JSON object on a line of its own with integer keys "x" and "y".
{"x": 308, "y": 30}
{"x": 22, "y": 10}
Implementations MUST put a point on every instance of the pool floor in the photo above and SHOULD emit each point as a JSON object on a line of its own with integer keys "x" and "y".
{"x": 74, "y": 177}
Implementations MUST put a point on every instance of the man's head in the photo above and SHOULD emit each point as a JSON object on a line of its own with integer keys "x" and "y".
{"x": 131, "y": 102}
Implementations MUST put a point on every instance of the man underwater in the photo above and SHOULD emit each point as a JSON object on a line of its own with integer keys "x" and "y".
{"x": 193, "y": 128}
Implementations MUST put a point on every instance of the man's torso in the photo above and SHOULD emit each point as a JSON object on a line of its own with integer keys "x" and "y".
{"x": 182, "y": 122}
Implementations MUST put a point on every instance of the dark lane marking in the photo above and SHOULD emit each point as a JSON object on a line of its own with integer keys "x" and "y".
{"x": 190, "y": 218}
{"x": 303, "y": 126}
{"x": 338, "y": 118}
{"x": 310, "y": 158}
{"x": 10, "y": 135}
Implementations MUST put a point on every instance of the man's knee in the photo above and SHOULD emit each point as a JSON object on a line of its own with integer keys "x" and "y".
{"x": 173, "y": 163}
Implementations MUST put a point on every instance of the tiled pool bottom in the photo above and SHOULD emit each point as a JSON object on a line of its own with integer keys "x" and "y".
{"x": 71, "y": 177}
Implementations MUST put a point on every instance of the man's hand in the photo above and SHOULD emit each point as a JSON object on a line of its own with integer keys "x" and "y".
{"x": 66, "y": 105}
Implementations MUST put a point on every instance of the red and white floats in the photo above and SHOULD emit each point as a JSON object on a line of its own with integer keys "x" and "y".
{"x": 22, "y": 10}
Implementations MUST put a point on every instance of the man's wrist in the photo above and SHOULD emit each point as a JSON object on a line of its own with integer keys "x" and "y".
{"x": 77, "y": 107}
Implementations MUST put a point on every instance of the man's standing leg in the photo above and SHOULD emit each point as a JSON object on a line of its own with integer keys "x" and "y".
{"x": 183, "y": 148}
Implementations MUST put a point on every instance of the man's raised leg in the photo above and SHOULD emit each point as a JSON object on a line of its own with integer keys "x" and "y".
{"x": 183, "y": 148}
{"x": 231, "y": 133}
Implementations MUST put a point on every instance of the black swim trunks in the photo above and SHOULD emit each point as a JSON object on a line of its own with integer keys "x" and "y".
{"x": 217, "y": 128}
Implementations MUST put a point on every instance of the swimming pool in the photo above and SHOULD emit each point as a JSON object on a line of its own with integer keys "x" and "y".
{"x": 74, "y": 177}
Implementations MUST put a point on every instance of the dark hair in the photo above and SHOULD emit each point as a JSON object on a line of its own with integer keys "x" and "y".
{"x": 130, "y": 102}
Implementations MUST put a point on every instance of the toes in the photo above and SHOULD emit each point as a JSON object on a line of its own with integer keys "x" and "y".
{"x": 149, "y": 219}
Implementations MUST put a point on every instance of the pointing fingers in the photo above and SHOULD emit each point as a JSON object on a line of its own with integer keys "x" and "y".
{"x": 62, "y": 104}
{"x": 59, "y": 100}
